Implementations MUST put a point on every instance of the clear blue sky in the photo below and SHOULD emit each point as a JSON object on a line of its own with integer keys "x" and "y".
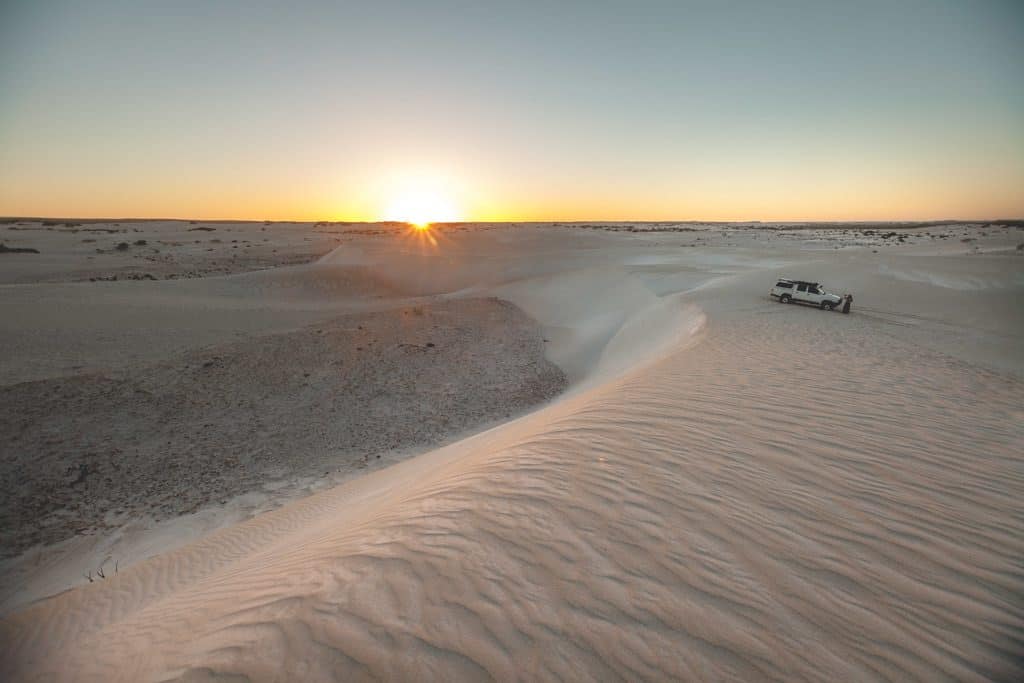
{"x": 586, "y": 110}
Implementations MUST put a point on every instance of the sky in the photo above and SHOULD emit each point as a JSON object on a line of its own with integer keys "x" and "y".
{"x": 719, "y": 110}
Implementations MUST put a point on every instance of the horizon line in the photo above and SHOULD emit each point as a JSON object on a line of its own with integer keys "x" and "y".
{"x": 64, "y": 219}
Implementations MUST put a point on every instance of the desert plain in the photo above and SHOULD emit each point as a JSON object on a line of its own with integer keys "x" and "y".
{"x": 582, "y": 451}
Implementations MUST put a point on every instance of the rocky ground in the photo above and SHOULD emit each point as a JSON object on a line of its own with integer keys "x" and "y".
{"x": 83, "y": 454}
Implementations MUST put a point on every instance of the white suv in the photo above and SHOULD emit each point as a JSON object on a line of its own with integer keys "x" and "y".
{"x": 797, "y": 291}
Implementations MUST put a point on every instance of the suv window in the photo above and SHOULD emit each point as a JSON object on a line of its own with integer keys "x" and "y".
{"x": 784, "y": 285}
{"x": 802, "y": 288}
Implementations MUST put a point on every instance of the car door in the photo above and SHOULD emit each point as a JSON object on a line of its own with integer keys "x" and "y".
{"x": 801, "y": 293}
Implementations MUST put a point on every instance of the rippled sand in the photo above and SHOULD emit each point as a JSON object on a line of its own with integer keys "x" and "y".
{"x": 732, "y": 489}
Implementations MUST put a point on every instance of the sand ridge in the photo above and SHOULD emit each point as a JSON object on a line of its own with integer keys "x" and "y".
{"x": 757, "y": 492}
{"x": 699, "y": 549}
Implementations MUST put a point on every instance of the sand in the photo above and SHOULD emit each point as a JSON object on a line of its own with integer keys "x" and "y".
{"x": 91, "y": 452}
{"x": 78, "y": 250}
{"x": 729, "y": 488}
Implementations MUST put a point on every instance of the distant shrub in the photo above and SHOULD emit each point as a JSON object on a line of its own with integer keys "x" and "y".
{"x": 4, "y": 249}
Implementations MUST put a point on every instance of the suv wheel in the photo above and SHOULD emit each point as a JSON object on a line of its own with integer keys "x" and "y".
{"x": 827, "y": 305}
{"x": 785, "y": 299}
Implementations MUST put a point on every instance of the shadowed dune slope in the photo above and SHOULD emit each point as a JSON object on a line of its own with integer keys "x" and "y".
{"x": 679, "y": 522}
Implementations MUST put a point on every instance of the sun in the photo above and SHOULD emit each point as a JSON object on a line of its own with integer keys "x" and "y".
{"x": 421, "y": 207}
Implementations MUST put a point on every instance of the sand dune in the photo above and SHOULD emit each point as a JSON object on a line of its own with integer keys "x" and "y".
{"x": 732, "y": 489}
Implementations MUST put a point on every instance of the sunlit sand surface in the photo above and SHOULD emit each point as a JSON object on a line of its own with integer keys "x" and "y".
{"x": 727, "y": 488}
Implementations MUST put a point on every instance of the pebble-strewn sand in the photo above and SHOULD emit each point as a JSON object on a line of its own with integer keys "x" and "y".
{"x": 97, "y": 251}
{"x": 730, "y": 488}
{"x": 90, "y": 452}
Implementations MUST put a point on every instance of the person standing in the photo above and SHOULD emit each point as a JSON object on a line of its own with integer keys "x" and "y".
{"x": 846, "y": 303}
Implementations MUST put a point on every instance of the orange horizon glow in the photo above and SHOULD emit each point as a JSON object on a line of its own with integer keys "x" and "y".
{"x": 946, "y": 210}
{"x": 433, "y": 194}
{"x": 891, "y": 202}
